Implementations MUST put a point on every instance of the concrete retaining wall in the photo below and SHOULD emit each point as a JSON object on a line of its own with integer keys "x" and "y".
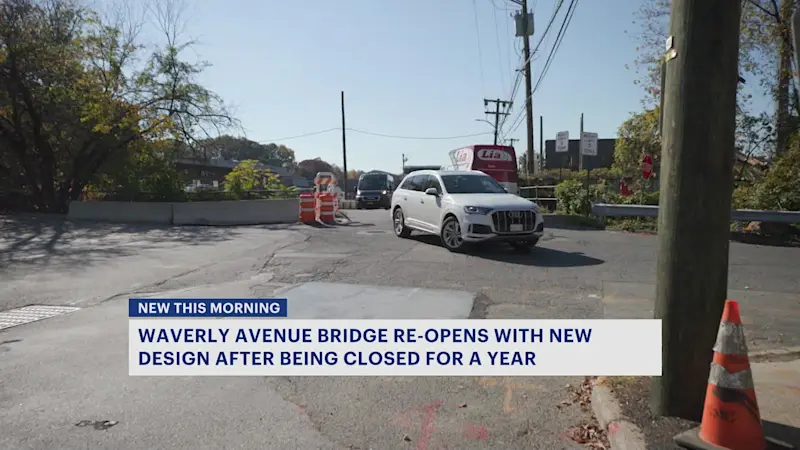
{"x": 124, "y": 212}
{"x": 242, "y": 212}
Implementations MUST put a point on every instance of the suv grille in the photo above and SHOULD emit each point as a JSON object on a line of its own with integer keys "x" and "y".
{"x": 503, "y": 221}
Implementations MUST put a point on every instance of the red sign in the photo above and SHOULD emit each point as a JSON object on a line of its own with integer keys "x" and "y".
{"x": 647, "y": 166}
{"x": 494, "y": 155}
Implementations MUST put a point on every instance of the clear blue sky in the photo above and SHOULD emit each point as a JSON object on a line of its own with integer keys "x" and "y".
{"x": 408, "y": 68}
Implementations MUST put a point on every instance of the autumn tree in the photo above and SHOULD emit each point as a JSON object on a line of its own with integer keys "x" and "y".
{"x": 765, "y": 51}
{"x": 353, "y": 174}
{"x": 239, "y": 148}
{"x": 309, "y": 168}
{"x": 74, "y": 96}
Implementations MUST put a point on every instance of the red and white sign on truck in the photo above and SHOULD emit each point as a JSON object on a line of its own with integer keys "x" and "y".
{"x": 497, "y": 161}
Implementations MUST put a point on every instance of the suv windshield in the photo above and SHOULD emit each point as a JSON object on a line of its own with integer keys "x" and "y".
{"x": 471, "y": 184}
{"x": 372, "y": 184}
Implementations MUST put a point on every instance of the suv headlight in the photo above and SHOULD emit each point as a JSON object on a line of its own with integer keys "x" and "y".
{"x": 476, "y": 210}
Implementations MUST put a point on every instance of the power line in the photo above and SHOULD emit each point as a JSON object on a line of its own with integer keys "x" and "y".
{"x": 388, "y": 136}
{"x": 559, "y": 38}
{"x": 304, "y": 135}
{"x": 418, "y": 137}
{"x": 499, "y": 52}
{"x": 516, "y": 120}
{"x": 478, "y": 35}
{"x": 546, "y": 29}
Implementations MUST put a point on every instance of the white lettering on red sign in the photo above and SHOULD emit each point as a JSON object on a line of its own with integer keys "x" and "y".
{"x": 494, "y": 155}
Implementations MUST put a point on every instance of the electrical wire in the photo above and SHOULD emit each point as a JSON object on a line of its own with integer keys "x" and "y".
{"x": 533, "y": 55}
{"x": 478, "y": 35}
{"x": 389, "y": 136}
{"x": 546, "y": 31}
{"x": 304, "y": 135}
{"x": 418, "y": 137}
{"x": 499, "y": 52}
{"x": 559, "y": 39}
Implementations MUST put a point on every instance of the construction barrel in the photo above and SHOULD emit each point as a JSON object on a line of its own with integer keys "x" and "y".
{"x": 325, "y": 207}
{"x": 308, "y": 213}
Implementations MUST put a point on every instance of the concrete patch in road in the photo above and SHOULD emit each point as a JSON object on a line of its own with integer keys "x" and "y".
{"x": 352, "y": 301}
{"x": 33, "y": 313}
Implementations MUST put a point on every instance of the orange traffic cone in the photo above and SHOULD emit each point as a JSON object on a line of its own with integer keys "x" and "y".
{"x": 731, "y": 419}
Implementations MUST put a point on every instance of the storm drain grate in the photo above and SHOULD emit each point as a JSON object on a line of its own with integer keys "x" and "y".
{"x": 28, "y": 314}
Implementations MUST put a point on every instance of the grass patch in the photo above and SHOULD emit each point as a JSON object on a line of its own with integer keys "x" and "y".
{"x": 633, "y": 224}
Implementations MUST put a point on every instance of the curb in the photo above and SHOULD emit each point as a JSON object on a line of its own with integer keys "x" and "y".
{"x": 778, "y": 354}
{"x": 622, "y": 434}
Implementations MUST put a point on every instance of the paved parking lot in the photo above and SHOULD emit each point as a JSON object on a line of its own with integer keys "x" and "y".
{"x": 49, "y": 387}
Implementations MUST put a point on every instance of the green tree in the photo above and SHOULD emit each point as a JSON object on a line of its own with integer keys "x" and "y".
{"x": 147, "y": 167}
{"x": 765, "y": 50}
{"x": 636, "y": 137}
{"x": 780, "y": 188}
{"x": 73, "y": 101}
{"x": 247, "y": 177}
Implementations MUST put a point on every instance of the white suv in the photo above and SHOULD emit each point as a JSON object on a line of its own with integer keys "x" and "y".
{"x": 462, "y": 207}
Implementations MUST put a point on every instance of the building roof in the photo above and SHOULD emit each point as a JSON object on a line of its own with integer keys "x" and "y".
{"x": 230, "y": 164}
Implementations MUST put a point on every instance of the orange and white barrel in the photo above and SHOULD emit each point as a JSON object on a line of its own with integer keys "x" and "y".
{"x": 326, "y": 208}
{"x": 308, "y": 211}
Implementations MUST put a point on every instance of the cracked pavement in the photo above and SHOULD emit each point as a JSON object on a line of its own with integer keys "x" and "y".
{"x": 70, "y": 369}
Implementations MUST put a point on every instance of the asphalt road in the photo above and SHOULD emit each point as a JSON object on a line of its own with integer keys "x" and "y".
{"x": 62, "y": 377}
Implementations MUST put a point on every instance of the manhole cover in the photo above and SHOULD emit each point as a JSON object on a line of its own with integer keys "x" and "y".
{"x": 27, "y": 314}
{"x": 374, "y": 232}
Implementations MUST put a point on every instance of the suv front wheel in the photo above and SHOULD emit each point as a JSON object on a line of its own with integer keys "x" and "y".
{"x": 399, "y": 224}
{"x": 451, "y": 235}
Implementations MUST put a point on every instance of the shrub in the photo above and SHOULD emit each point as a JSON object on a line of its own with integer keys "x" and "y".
{"x": 574, "y": 197}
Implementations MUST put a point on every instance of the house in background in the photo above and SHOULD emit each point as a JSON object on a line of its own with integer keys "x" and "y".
{"x": 212, "y": 172}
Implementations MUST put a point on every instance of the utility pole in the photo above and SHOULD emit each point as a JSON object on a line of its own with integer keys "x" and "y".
{"x": 511, "y": 141}
{"x": 695, "y": 203}
{"x": 405, "y": 160}
{"x": 344, "y": 150}
{"x": 497, "y": 113}
{"x": 580, "y": 153}
{"x": 526, "y": 48}
{"x": 541, "y": 143}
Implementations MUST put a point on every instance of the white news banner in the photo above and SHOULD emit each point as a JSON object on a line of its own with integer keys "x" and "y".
{"x": 253, "y": 347}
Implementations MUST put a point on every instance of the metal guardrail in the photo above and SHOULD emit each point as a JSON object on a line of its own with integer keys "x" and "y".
{"x": 525, "y": 192}
{"x": 604, "y": 210}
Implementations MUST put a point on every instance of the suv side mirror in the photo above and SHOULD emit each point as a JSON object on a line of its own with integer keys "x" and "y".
{"x": 432, "y": 191}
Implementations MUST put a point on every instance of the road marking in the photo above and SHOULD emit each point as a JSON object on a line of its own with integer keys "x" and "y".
{"x": 476, "y": 432}
{"x": 427, "y": 425}
{"x": 508, "y": 391}
{"x": 33, "y": 313}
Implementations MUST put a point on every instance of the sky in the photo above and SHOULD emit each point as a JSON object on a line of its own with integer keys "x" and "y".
{"x": 409, "y": 69}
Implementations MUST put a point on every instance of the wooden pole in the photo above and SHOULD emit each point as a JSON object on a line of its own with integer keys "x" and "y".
{"x": 695, "y": 201}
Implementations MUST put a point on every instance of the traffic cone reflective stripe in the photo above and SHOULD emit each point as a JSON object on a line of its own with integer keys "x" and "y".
{"x": 731, "y": 418}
